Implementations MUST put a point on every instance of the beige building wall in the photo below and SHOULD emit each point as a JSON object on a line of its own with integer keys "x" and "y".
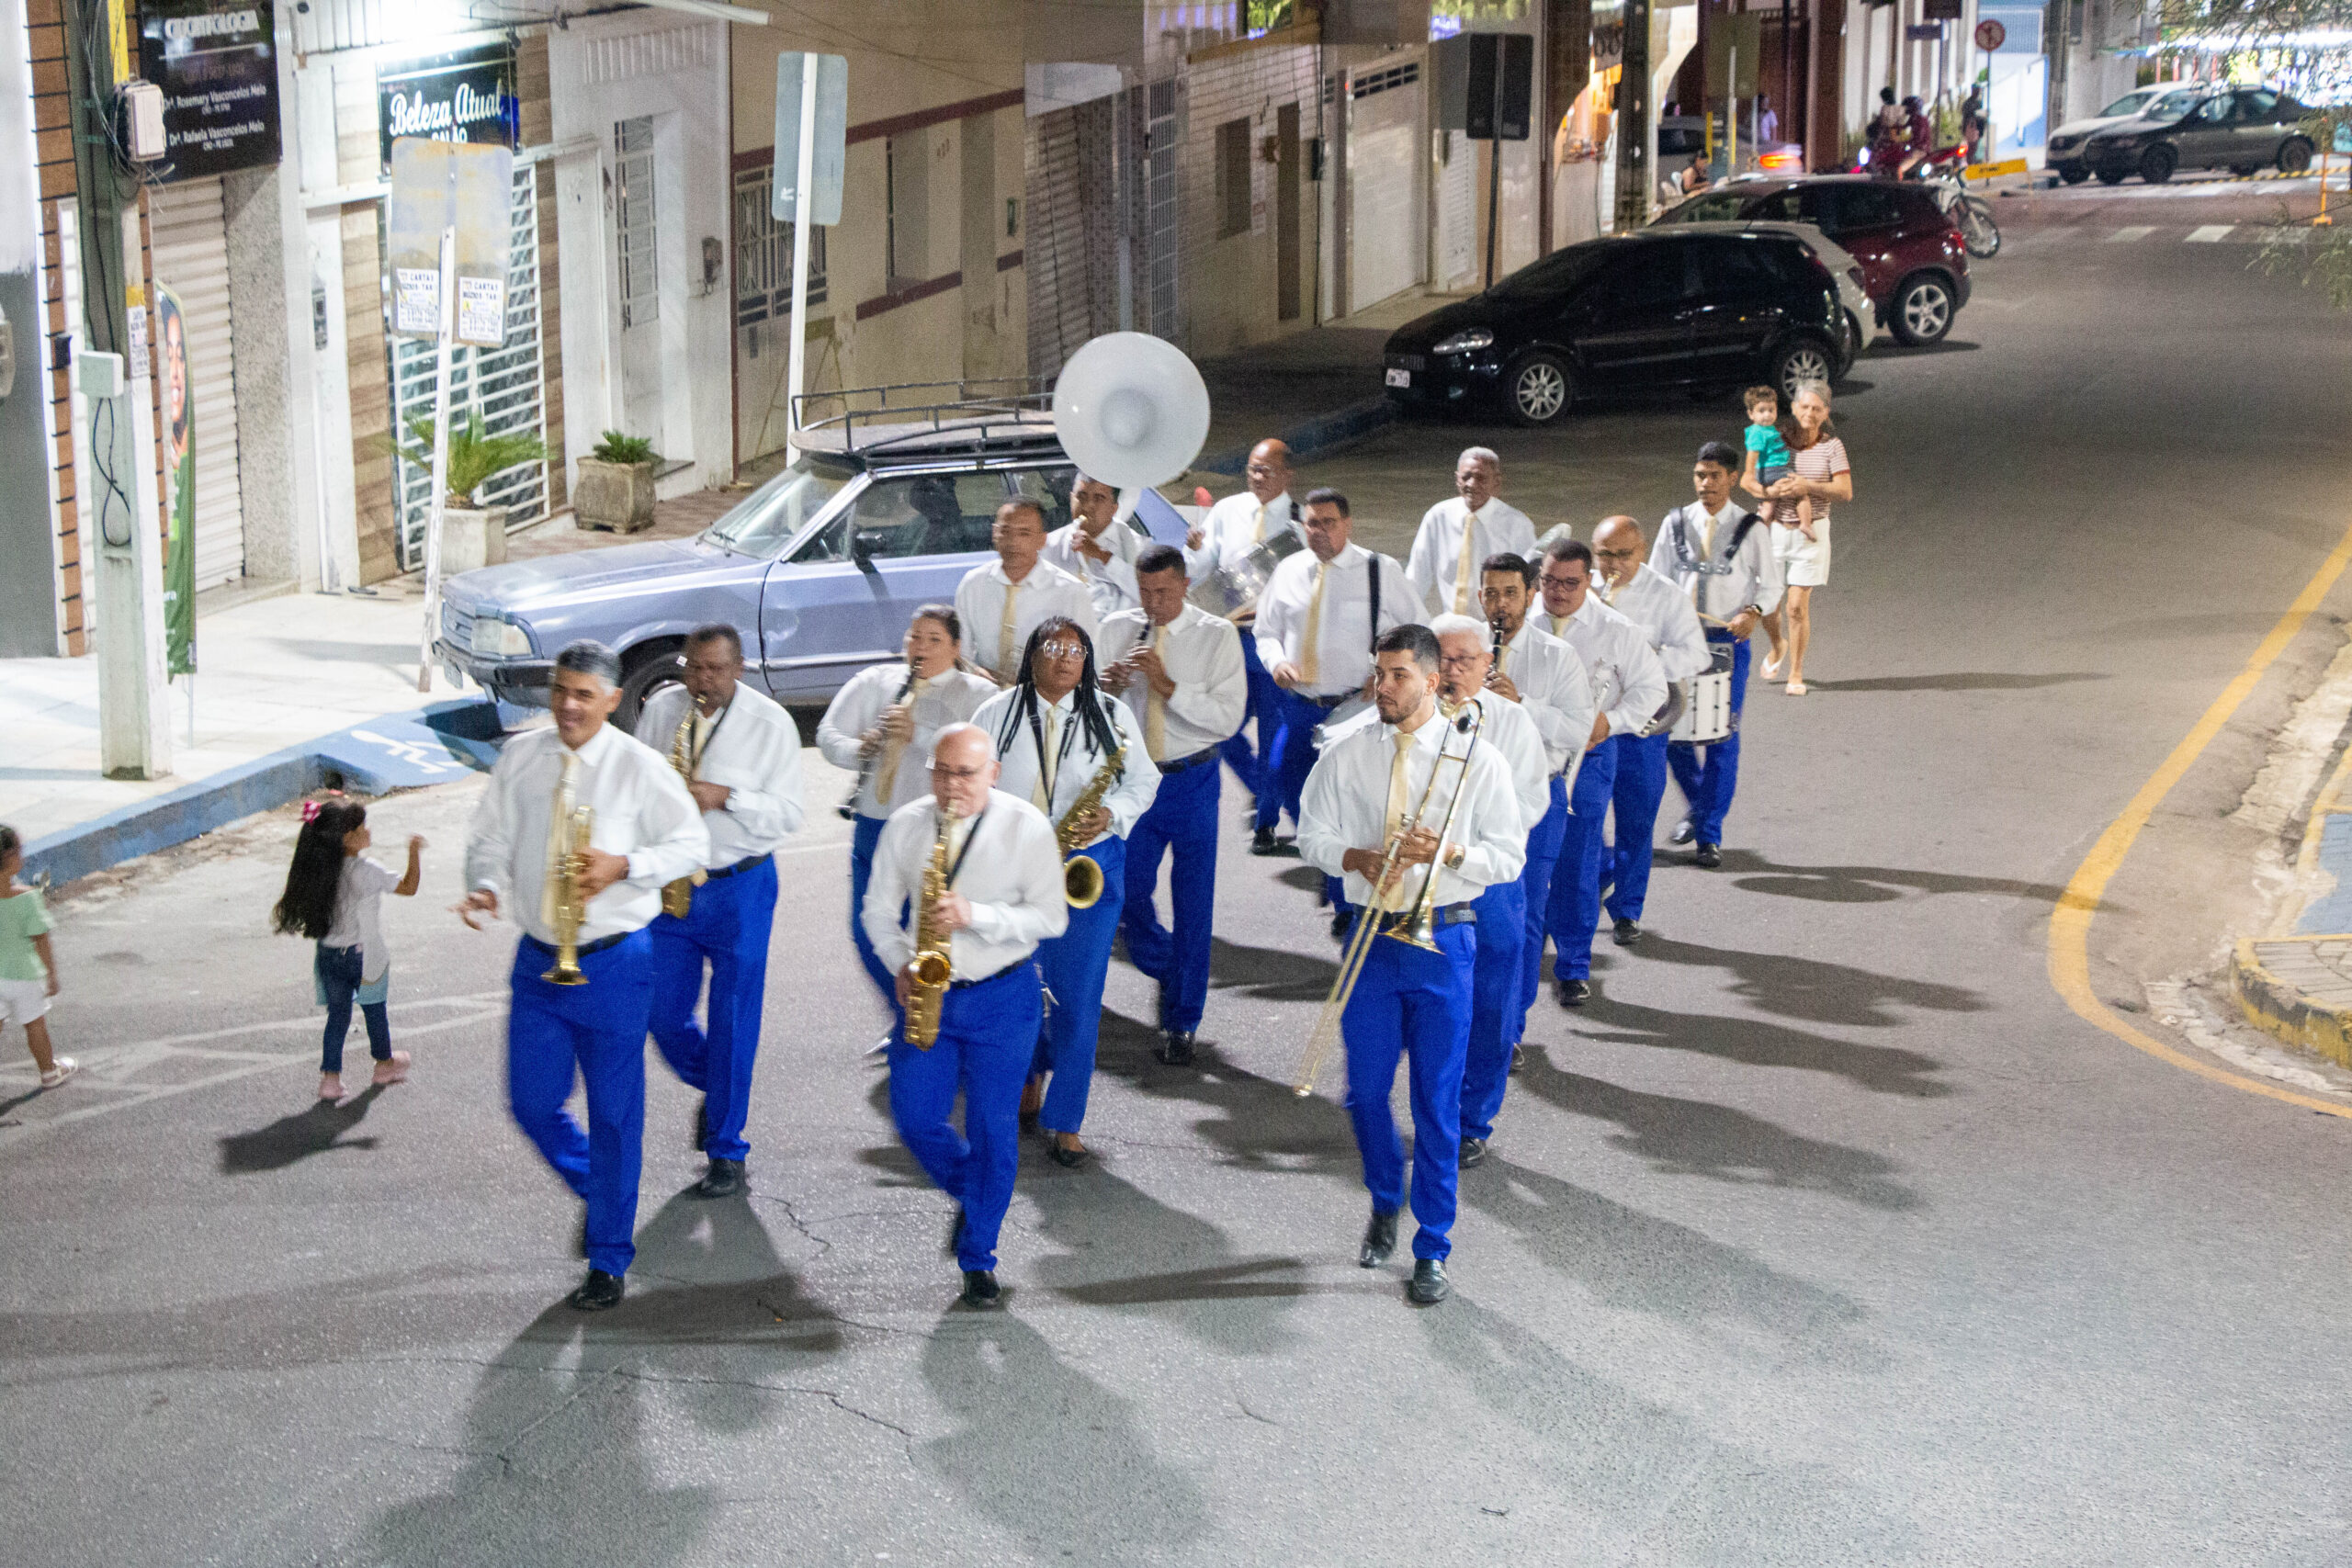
{"x": 1231, "y": 282}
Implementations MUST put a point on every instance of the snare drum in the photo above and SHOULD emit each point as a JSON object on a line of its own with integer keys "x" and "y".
{"x": 1706, "y": 714}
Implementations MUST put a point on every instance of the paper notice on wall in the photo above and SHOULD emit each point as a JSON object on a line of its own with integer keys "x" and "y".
{"x": 416, "y": 299}
{"x": 481, "y": 310}
{"x": 135, "y": 317}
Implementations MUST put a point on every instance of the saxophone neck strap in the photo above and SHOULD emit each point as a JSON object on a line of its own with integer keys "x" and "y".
{"x": 971, "y": 837}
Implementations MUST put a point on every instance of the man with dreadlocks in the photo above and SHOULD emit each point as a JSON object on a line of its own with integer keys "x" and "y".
{"x": 1055, "y": 731}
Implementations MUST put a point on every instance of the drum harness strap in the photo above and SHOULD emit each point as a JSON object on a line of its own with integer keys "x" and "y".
{"x": 1689, "y": 560}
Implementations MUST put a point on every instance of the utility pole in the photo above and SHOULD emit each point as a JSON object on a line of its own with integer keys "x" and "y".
{"x": 134, "y": 725}
{"x": 1634, "y": 175}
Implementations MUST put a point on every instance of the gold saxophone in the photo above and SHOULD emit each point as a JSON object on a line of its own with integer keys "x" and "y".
{"x": 678, "y": 897}
{"x": 933, "y": 966}
{"x": 1081, "y": 878}
{"x": 571, "y": 908}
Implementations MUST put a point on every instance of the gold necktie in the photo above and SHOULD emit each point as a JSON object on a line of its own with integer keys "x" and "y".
{"x": 886, "y": 772}
{"x": 1312, "y": 637}
{"x": 1155, "y": 709}
{"x": 1008, "y": 657}
{"x": 1041, "y": 794}
{"x": 1461, "y": 567}
{"x": 1261, "y": 526}
{"x": 559, "y": 835}
{"x": 1398, "y": 803}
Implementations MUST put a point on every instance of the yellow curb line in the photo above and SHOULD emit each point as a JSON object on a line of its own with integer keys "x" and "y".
{"x": 2279, "y": 1009}
{"x": 2070, "y": 922}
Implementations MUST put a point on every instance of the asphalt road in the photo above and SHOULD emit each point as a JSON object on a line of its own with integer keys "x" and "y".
{"x": 1829, "y": 1234}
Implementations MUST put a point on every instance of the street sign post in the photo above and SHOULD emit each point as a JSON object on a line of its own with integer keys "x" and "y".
{"x": 813, "y": 131}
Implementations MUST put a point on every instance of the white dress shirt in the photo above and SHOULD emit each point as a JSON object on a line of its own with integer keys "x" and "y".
{"x": 1436, "y": 556}
{"x": 1343, "y": 623}
{"x": 1202, "y": 653}
{"x": 1627, "y": 683}
{"x": 1754, "y": 578}
{"x": 1664, "y": 611}
{"x": 1345, "y": 807}
{"x": 1072, "y": 759}
{"x": 1507, "y": 727}
{"x": 1113, "y": 583}
{"x": 949, "y": 697}
{"x": 1011, "y": 875}
{"x": 642, "y": 810}
{"x": 1553, "y": 686}
{"x": 1233, "y": 527}
{"x": 752, "y": 747}
{"x": 1047, "y": 592}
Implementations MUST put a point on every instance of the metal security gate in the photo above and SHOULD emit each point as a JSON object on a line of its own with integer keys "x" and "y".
{"x": 1160, "y": 212}
{"x": 503, "y": 384}
{"x": 189, "y": 241}
{"x": 1386, "y": 159}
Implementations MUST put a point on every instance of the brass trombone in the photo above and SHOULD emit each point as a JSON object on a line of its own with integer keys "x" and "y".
{"x": 1420, "y": 928}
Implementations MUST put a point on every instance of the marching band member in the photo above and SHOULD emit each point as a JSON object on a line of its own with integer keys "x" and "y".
{"x": 1055, "y": 737}
{"x": 882, "y": 724}
{"x": 1717, "y": 555}
{"x": 1004, "y": 601}
{"x": 1548, "y": 680}
{"x": 1096, "y": 549}
{"x": 1179, "y": 671}
{"x": 1456, "y": 536}
{"x": 1627, "y": 688}
{"x": 1003, "y": 895}
{"x": 1409, "y": 1000}
{"x": 1630, "y": 586}
{"x": 1465, "y": 657}
{"x": 1318, "y": 621}
{"x": 643, "y": 833}
{"x": 1225, "y": 534}
{"x": 742, "y": 757}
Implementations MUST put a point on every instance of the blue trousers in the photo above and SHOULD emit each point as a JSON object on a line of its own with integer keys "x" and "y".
{"x": 595, "y": 1032}
{"x": 1640, "y": 785}
{"x": 1247, "y": 765}
{"x": 1707, "y": 782}
{"x": 1291, "y": 758}
{"x": 338, "y": 972}
{"x": 1535, "y": 900}
{"x": 1074, "y": 965}
{"x": 727, "y": 929}
{"x": 1575, "y": 905}
{"x": 1182, "y": 823}
{"x": 1416, "y": 1004}
{"x": 1496, "y": 1011}
{"x": 866, "y": 833}
{"x": 987, "y": 1034}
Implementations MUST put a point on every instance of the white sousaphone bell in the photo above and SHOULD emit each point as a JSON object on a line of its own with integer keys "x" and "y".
{"x": 1132, "y": 411}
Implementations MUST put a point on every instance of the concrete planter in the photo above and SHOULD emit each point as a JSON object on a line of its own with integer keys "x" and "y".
{"x": 471, "y": 539}
{"x": 614, "y": 496}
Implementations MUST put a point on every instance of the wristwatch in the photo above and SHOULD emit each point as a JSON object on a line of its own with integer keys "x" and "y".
{"x": 1453, "y": 854}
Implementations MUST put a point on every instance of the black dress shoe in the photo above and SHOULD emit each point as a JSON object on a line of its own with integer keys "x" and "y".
{"x": 1708, "y": 855}
{"x": 1474, "y": 1152}
{"x": 1683, "y": 832}
{"x": 1176, "y": 1047}
{"x": 1379, "y": 1239}
{"x": 1261, "y": 842}
{"x": 1517, "y": 1057}
{"x": 1573, "y": 993}
{"x": 980, "y": 1288}
{"x": 702, "y": 1125}
{"x": 1626, "y": 933}
{"x": 723, "y": 1179}
{"x": 598, "y": 1292}
{"x": 1429, "y": 1284}
{"x": 1342, "y": 921}
{"x": 1068, "y": 1159}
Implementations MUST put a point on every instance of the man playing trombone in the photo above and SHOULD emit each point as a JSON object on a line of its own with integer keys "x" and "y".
{"x": 1418, "y": 819}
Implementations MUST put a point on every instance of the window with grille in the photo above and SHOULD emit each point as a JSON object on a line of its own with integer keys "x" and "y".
{"x": 633, "y": 214}
{"x": 763, "y": 253}
{"x": 1232, "y": 178}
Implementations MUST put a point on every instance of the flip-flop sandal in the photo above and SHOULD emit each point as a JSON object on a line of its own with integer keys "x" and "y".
{"x": 1798, "y": 688}
{"x": 60, "y": 1068}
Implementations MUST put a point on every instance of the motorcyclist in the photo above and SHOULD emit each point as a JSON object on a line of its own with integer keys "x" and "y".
{"x": 1917, "y": 138}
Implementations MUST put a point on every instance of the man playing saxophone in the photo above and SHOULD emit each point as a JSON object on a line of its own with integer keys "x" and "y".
{"x": 1003, "y": 896}
{"x": 1377, "y": 798}
{"x": 644, "y": 831}
{"x": 1078, "y": 757}
{"x": 739, "y": 756}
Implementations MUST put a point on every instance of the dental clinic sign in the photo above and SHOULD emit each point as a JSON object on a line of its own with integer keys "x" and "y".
{"x": 218, "y": 67}
{"x": 466, "y": 97}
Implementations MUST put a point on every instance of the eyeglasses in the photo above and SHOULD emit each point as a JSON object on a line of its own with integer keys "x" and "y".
{"x": 1561, "y": 580}
{"x": 1062, "y": 650}
{"x": 940, "y": 771}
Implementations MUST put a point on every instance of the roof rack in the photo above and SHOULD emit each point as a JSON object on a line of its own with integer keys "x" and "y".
{"x": 994, "y": 412}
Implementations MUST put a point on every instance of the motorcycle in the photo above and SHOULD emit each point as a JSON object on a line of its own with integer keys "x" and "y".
{"x": 1882, "y": 158}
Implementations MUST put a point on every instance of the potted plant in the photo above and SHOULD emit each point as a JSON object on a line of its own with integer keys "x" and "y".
{"x": 615, "y": 489}
{"x": 471, "y": 535}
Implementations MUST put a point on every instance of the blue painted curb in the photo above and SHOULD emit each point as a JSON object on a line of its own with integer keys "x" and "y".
{"x": 1313, "y": 437}
{"x": 435, "y": 745}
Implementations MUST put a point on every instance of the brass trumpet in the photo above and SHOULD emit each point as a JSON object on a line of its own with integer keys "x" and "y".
{"x": 571, "y": 908}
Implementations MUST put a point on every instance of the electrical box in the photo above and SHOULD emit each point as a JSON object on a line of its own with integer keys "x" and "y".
{"x": 102, "y": 375}
{"x": 142, "y": 121}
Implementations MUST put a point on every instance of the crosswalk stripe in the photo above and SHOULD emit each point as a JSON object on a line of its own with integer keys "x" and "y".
{"x": 2209, "y": 233}
{"x": 2136, "y": 231}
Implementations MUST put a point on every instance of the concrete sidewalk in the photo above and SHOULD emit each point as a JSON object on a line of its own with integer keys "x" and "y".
{"x": 2295, "y": 982}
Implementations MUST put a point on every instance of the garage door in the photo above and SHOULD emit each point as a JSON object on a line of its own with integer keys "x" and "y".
{"x": 1387, "y": 154}
{"x": 190, "y": 250}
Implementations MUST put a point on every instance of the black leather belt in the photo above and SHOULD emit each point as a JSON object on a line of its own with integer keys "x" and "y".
{"x": 746, "y": 864}
{"x": 585, "y": 948}
{"x": 963, "y": 984}
{"x": 1327, "y": 704}
{"x": 1179, "y": 764}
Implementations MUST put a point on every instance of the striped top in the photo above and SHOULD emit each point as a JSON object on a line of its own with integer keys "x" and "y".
{"x": 1820, "y": 462}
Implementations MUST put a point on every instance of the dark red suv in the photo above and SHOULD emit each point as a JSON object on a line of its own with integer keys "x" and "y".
{"x": 1914, "y": 264}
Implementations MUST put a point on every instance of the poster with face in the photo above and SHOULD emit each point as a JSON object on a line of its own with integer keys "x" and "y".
{"x": 179, "y": 484}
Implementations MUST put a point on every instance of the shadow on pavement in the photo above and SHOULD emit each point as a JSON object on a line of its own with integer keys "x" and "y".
{"x": 1866, "y": 884}
{"x": 1807, "y": 989}
{"x": 1959, "y": 680}
{"x": 289, "y": 1140}
{"x": 1270, "y": 974}
{"x": 1882, "y": 1069}
{"x": 1257, "y": 1123}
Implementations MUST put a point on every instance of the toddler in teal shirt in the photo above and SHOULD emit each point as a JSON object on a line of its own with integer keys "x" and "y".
{"x": 1769, "y": 460}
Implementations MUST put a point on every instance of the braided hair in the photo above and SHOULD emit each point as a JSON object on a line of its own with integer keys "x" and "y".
{"x": 1026, "y": 710}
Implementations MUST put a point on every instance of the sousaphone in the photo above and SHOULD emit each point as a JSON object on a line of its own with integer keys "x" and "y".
{"x": 1132, "y": 411}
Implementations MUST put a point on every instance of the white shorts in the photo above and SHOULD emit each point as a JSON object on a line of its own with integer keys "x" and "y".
{"x": 22, "y": 1001}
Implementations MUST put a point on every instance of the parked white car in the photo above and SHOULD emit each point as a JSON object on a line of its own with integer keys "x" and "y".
{"x": 2167, "y": 101}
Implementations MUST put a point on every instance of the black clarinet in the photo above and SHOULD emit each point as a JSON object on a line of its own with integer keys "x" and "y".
{"x": 848, "y": 808}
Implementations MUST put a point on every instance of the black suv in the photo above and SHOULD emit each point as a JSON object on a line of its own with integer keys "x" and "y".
{"x": 1628, "y": 313}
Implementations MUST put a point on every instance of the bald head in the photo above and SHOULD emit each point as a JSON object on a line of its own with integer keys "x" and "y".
{"x": 963, "y": 769}
{"x": 1618, "y": 547}
{"x": 1269, "y": 470}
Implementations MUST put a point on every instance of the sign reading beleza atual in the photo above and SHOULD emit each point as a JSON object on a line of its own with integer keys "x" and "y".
{"x": 467, "y": 95}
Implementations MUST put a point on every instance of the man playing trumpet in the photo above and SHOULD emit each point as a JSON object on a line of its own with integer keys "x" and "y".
{"x": 1420, "y": 805}
{"x": 642, "y": 831}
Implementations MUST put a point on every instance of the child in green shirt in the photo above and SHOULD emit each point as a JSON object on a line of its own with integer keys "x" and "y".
{"x": 28, "y": 969}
